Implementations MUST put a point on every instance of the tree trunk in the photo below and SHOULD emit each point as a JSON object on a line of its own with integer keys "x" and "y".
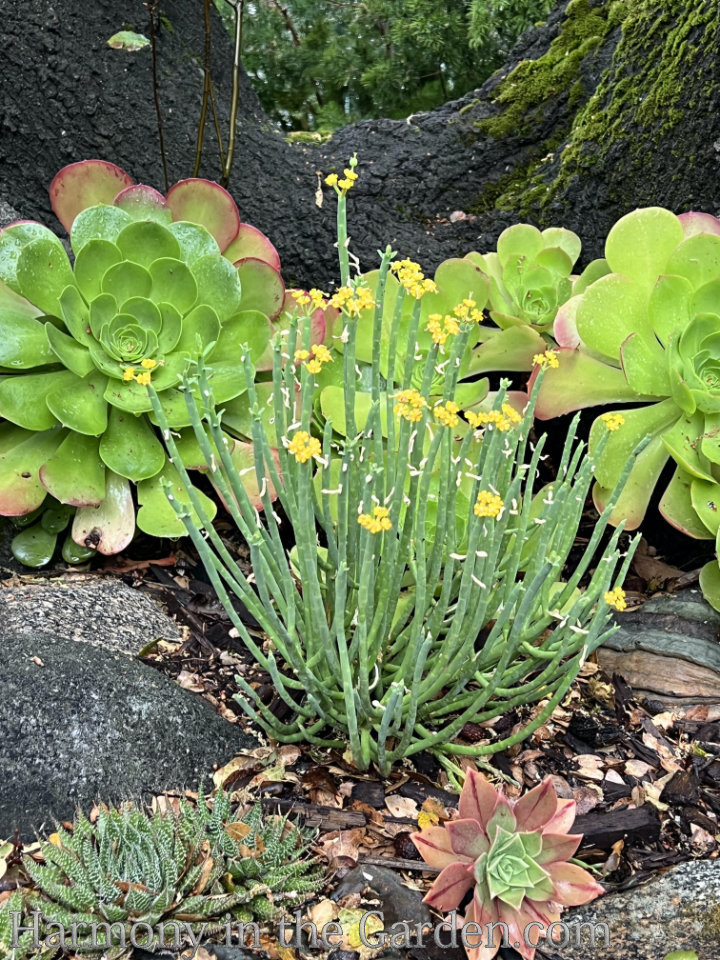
{"x": 606, "y": 107}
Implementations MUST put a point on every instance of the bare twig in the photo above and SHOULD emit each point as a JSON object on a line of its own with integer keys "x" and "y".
{"x": 151, "y": 7}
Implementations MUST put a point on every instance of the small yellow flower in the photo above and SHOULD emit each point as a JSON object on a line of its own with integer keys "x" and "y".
{"x": 304, "y": 447}
{"x": 301, "y": 355}
{"x": 143, "y": 378}
{"x": 488, "y": 504}
{"x": 376, "y": 522}
{"x": 350, "y": 174}
{"x": 616, "y": 598}
{"x": 331, "y": 179}
{"x": 547, "y": 359}
{"x": 502, "y": 420}
{"x": 412, "y": 278}
{"x": 353, "y": 300}
{"x": 321, "y": 353}
{"x": 613, "y": 421}
{"x": 313, "y": 366}
{"x": 511, "y": 413}
{"x": 128, "y": 374}
{"x": 447, "y": 414}
{"x": 436, "y": 328}
{"x": 148, "y": 363}
{"x": 410, "y": 405}
{"x": 317, "y": 298}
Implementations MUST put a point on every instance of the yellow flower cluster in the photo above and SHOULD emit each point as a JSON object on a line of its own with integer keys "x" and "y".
{"x": 616, "y": 598}
{"x": 344, "y": 184}
{"x": 447, "y": 413}
{"x": 376, "y": 522}
{"x": 353, "y": 301}
{"x": 547, "y": 359}
{"x": 504, "y": 419}
{"x": 613, "y": 421}
{"x": 320, "y": 355}
{"x": 303, "y": 447}
{"x": 315, "y": 299}
{"x": 441, "y": 327}
{"x": 410, "y": 405}
{"x": 412, "y": 278}
{"x": 488, "y": 504}
{"x": 143, "y": 378}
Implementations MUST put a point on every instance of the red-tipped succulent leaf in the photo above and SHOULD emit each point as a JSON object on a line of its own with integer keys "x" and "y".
{"x": 206, "y": 203}
{"x": 83, "y": 184}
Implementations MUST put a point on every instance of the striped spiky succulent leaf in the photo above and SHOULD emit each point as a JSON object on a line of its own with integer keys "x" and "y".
{"x": 194, "y": 867}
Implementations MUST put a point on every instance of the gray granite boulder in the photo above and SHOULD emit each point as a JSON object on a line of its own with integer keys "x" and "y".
{"x": 104, "y": 612}
{"x": 678, "y": 909}
{"x": 79, "y": 722}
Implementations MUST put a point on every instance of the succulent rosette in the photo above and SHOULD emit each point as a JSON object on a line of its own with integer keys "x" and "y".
{"x": 513, "y": 856}
{"x": 648, "y": 333}
{"x": 156, "y": 281}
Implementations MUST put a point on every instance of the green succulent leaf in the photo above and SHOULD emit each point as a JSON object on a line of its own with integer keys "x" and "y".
{"x": 710, "y": 586}
{"x": 262, "y": 287}
{"x": 78, "y": 403}
{"x": 92, "y": 263}
{"x": 12, "y": 241}
{"x": 102, "y": 310}
{"x": 23, "y": 455}
{"x": 24, "y": 343}
{"x": 34, "y": 546}
{"x": 640, "y": 244}
{"x": 109, "y": 527}
{"x": 74, "y": 553}
{"x": 173, "y": 282}
{"x": 250, "y": 329}
{"x": 23, "y": 400}
{"x": 697, "y": 259}
{"x": 171, "y": 328}
{"x": 218, "y": 285}
{"x": 75, "y": 474}
{"x": 99, "y": 222}
{"x": 669, "y": 307}
{"x": 195, "y": 241}
{"x": 200, "y": 327}
{"x": 68, "y": 351}
{"x": 611, "y": 309}
{"x": 144, "y": 242}
{"x": 126, "y": 280}
{"x": 156, "y": 516}
{"x": 677, "y": 507}
{"x": 43, "y": 272}
{"x": 130, "y": 447}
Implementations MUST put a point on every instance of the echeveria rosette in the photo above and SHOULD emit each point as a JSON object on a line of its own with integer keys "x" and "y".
{"x": 155, "y": 282}
{"x": 513, "y": 855}
{"x": 648, "y": 333}
{"x": 529, "y": 278}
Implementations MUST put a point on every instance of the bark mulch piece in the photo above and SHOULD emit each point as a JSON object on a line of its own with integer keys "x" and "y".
{"x": 646, "y": 780}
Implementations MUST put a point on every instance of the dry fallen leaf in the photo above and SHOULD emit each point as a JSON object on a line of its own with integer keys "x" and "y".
{"x": 401, "y": 806}
{"x": 190, "y": 681}
{"x": 37, "y": 661}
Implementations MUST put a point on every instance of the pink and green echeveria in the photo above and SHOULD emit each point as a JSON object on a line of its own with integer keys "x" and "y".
{"x": 512, "y": 855}
{"x": 156, "y": 280}
{"x": 648, "y": 334}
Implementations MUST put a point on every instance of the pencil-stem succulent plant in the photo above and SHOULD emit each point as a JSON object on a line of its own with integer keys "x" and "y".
{"x": 155, "y": 282}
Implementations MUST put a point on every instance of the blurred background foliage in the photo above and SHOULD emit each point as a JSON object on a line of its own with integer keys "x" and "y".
{"x": 319, "y": 64}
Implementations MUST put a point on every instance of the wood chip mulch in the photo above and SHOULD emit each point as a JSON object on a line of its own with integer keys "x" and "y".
{"x": 646, "y": 781}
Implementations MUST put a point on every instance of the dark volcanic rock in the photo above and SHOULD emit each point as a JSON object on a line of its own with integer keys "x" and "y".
{"x": 606, "y": 107}
{"x": 79, "y": 723}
